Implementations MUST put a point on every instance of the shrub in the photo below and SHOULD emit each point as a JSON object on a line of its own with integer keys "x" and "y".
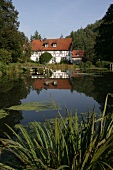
{"x": 88, "y": 64}
{"x": 104, "y": 64}
{"x": 45, "y": 58}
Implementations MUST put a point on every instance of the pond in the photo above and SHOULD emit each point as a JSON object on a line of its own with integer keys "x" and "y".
{"x": 72, "y": 91}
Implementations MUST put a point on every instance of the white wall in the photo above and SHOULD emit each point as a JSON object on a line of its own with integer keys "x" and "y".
{"x": 57, "y": 55}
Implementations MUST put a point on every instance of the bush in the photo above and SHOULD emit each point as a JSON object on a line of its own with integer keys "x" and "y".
{"x": 86, "y": 65}
{"x": 102, "y": 64}
{"x": 45, "y": 58}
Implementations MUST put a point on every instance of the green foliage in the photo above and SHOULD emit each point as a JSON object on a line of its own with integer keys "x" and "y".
{"x": 103, "y": 64}
{"x": 25, "y": 57}
{"x": 64, "y": 61}
{"x": 28, "y": 52}
{"x": 25, "y": 48}
{"x": 96, "y": 39}
{"x": 10, "y": 69}
{"x": 3, "y": 68}
{"x": 104, "y": 40}
{"x": 36, "y": 36}
{"x": 84, "y": 39}
{"x": 10, "y": 38}
{"x": 65, "y": 143}
{"x": 86, "y": 65}
{"x": 8, "y": 26}
{"x": 5, "y": 56}
{"x": 45, "y": 58}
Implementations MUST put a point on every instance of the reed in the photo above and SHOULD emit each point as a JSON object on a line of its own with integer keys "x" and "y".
{"x": 64, "y": 143}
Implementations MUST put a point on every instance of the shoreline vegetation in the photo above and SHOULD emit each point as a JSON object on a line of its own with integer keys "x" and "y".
{"x": 18, "y": 68}
{"x": 71, "y": 142}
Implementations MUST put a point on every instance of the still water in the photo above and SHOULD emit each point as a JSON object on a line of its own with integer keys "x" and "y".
{"x": 79, "y": 92}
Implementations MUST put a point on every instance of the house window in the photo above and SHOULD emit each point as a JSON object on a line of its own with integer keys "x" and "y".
{"x": 54, "y": 44}
{"x": 46, "y": 44}
{"x": 60, "y": 52}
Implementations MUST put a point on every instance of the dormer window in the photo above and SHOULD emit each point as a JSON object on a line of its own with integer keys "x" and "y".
{"x": 54, "y": 44}
{"x": 46, "y": 45}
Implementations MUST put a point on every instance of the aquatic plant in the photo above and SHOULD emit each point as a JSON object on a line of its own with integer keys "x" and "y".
{"x": 37, "y": 106}
{"x": 65, "y": 143}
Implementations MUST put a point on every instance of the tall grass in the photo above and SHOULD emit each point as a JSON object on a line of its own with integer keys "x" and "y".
{"x": 65, "y": 143}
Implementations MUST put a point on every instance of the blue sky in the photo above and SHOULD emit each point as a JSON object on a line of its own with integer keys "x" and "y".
{"x": 51, "y": 18}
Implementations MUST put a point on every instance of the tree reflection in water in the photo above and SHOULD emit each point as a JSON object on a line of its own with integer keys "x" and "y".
{"x": 11, "y": 93}
{"x": 97, "y": 86}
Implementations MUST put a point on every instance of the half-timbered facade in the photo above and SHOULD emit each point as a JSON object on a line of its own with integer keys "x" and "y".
{"x": 60, "y": 49}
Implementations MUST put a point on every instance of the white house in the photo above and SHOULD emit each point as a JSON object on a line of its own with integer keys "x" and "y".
{"x": 58, "y": 48}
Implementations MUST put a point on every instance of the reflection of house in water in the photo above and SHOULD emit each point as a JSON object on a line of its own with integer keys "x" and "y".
{"x": 55, "y": 74}
{"x": 60, "y": 74}
{"x": 61, "y": 83}
{"x": 58, "y": 80}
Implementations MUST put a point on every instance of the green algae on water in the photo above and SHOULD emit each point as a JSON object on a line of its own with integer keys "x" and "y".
{"x": 36, "y": 106}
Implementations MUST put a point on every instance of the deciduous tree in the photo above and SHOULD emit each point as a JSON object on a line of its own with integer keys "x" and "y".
{"x": 10, "y": 39}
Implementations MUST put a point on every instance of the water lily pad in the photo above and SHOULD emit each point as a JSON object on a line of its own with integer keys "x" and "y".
{"x": 37, "y": 106}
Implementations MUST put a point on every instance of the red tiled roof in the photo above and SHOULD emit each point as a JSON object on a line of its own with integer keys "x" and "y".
{"x": 61, "y": 44}
{"x": 78, "y": 53}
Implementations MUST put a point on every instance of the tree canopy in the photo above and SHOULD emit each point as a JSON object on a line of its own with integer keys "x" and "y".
{"x": 36, "y": 36}
{"x": 104, "y": 40}
{"x": 10, "y": 38}
{"x": 96, "y": 39}
{"x": 84, "y": 39}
